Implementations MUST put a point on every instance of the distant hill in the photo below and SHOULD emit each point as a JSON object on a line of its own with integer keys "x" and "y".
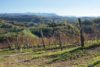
{"x": 45, "y": 14}
{"x": 40, "y": 17}
{"x": 28, "y": 14}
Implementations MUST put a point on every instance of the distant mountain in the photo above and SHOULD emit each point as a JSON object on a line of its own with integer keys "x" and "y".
{"x": 29, "y": 14}
{"x": 39, "y": 17}
{"x": 35, "y": 17}
{"x": 45, "y": 14}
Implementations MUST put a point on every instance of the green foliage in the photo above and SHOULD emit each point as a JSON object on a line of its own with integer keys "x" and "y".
{"x": 27, "y": 33}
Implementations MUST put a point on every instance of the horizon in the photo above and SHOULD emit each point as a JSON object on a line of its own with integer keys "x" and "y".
{"x": 50, "y": 13}
{"x": 77, "y": 8}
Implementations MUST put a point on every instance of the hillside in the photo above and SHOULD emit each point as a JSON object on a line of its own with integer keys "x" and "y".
{"x": 28, "y": 40}
{"x": 70, "y": 57}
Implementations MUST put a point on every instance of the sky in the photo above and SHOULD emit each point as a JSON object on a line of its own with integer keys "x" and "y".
{"x": 60, "y": 7}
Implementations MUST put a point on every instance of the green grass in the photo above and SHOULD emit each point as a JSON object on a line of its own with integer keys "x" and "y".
{"x": 28, "y": 33}
{"x": 6, "y": 52}
{"x": 95, "y": 62}
{"x": 74, "y": 54}
{"x": 68, "y": 54}
{"x": 49, "y": 54}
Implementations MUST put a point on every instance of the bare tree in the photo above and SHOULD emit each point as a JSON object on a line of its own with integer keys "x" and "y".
{"x": 95, "y": 31}
{"x": 81, "y": 33}
{"x": 42, "y": 36}
{"x": 60, "y": 42}
{"x": 9, "y": 43}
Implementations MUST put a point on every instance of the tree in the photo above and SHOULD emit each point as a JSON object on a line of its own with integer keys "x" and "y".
{"x": 59, "y": 38}
{"x": 96, "y": 28}
{"x": 9, "y": 43}
{"x": 81, "y": 33}
{"x": 42, "y": 36}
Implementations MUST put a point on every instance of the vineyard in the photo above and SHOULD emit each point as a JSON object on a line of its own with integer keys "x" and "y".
{"x": 51, "y": 44}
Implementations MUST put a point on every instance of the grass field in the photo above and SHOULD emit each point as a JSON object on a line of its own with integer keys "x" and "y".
{"x": 69, "y": 57}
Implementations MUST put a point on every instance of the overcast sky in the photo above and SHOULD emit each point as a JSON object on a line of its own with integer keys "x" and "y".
{"x": 60, "y": 7}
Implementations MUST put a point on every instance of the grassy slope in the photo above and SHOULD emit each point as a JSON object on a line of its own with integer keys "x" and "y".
{"x": 73, "y": 57}
{"x": 28, "y": 33}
